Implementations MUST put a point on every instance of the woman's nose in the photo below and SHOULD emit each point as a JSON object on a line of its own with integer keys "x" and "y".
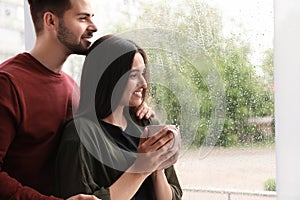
{"x": 143, "y": 81}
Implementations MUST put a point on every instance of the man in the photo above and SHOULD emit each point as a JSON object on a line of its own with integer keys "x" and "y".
{"x": 36, "y": 98}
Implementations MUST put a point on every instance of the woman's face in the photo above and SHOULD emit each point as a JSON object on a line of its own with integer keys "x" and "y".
{"x": 133, "y": 93}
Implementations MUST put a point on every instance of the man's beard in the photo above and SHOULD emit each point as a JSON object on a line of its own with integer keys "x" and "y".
{"x": 67, "y": 38}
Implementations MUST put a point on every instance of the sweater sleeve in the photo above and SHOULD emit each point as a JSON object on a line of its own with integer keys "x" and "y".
{"x": 10, "y": 116}
{"x": 174, "y": 183}
{"x": 75, "y": 168}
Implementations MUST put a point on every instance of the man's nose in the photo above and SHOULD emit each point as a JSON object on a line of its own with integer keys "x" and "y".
{"x": 92, "y": 27}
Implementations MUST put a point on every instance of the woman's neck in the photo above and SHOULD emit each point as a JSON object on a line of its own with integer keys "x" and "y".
{"x": 117, "y": 118}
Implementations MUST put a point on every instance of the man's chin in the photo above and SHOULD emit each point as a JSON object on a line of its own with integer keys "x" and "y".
{"x": 81, "y": 51}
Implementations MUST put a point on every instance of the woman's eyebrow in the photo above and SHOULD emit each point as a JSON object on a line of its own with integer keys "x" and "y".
{"x": 138, "y": 70}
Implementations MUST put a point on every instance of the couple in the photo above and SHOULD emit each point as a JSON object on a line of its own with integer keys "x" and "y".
{"x": 36, "y": 100}
{"x": 101, "y": 151}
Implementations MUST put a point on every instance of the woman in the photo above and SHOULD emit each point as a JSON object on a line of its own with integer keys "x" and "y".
{"x": 105, "y": 150}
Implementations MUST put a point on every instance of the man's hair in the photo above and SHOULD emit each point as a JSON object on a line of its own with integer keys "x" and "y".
{"x": 39, "y": 7}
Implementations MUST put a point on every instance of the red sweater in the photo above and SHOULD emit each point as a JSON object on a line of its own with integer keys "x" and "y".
{"x": 34, "y": 104}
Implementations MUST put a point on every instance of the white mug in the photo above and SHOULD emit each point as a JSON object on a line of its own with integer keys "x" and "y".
{"x": 153, "y": 129}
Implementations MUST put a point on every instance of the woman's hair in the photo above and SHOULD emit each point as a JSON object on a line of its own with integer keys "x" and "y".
{"x": 105, "y": 74}
{"x": 39, "y": 7}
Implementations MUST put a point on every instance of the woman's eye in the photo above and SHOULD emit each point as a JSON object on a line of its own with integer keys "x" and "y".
{"x": 133, "y": 75}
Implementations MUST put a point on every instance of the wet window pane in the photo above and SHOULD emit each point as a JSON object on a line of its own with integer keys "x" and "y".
{"x": 211, "y": 67}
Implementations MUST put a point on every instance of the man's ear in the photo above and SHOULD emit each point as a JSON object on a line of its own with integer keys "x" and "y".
{"x": 50, "y": 20}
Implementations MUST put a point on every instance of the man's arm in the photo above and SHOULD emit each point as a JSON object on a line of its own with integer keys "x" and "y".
{"x": 10, "y": 114}
{"x": 10, "y": 117}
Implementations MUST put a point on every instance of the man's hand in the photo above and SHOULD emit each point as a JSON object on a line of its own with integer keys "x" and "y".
{"x": 144, "y": 111}
{"x": 83, "y": 197}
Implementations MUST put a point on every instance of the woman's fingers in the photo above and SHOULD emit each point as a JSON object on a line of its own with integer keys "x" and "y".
{"x": 160, "y": 139}
{"x": 156, "y": 152}
{"x": 144, "y": 111}
{"x": 169, "y": 158}
{"x": 169, "y": 161}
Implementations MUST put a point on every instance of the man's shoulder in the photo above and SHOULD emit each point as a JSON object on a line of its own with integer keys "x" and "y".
{"x": 9, "y": 69}
{"x": 68, "y": 78}
{"x": 15, "y": 66}
{"x": 14, "y": 62}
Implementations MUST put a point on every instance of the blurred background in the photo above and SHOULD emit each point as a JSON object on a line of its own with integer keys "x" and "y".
{"x": 236, "y": 39}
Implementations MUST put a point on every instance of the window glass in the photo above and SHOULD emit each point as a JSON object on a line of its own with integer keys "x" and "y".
{"x": 211, "y": 68}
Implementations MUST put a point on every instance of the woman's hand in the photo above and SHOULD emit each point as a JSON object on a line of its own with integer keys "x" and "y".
{"x": 174, "y": 149}
{"x": 154, "y": 152}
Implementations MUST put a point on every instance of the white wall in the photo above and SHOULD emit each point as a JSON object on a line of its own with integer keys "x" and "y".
{"x": 287, "y": 98}
{"x": 29, "y": 30}
{"x": 11, "y": 28}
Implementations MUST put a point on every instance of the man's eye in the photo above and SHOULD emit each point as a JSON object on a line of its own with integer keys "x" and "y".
{"x": 82, "y": 18}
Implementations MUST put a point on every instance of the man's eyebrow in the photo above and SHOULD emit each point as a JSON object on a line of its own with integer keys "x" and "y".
{"x": 86, "y": 14}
